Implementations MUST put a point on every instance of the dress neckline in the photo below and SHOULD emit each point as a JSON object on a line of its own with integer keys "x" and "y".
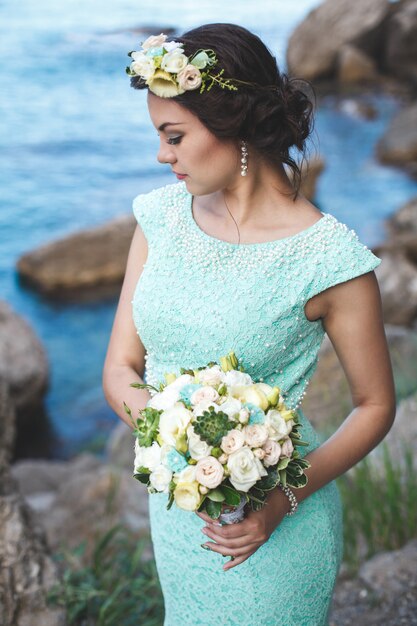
{"x": 214, "y": 240}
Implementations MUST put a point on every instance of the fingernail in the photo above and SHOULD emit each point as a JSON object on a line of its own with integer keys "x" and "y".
{"x": 205, "y": 547}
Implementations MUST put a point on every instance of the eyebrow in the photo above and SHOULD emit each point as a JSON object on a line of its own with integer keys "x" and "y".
{"x": 163, "y": 126}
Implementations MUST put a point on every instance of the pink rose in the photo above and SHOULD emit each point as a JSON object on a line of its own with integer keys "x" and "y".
{"x": 209, "y": 472}
{"x": 189, "y": 77}
{"x": 233, "y": 441}
{"x": 272, "y": 452}
{"x": 287, "y": 448}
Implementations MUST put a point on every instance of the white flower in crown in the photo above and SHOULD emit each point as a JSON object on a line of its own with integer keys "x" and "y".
{"x": 154, "y": 41}
{"x": 174, "y": 61}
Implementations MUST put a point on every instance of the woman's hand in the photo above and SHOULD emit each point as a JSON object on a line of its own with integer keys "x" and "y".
{"x": 241, "y": 540}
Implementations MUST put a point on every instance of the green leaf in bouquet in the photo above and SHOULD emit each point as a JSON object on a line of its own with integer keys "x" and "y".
{"x": 283, "y": 477}
{"x": 147, "y": 427}
{"x": 143, "y": 386}
{"x": 257, "y": 494}
{"x": 186, "y": 371}
{"x": 171, "y": 494}
{"x": 256, "y": 505}
{"x": 212, "y": 426}
{"x": 232, "y": 497}
{"x": 216, "y": 495}
{"x": 213, "y": 509}
{"x": 283, "y": 463}
{"x": 268, "y": 482}
{"x": 141, "y": 477}
{"x": 298, "y": 481}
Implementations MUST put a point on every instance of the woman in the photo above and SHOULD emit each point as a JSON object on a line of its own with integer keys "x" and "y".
{"x": 234, "y": 258}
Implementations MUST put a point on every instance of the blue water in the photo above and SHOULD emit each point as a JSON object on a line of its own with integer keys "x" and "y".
{"x": 76, "y": 146}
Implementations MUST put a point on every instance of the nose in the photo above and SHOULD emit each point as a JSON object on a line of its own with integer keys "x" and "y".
{"x": 165, "y": 153}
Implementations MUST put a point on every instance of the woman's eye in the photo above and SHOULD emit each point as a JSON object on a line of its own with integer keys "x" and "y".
{"x": 174, "y": 140}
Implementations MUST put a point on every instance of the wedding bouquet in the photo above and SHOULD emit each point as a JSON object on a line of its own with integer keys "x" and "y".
{"x": 213, "y": 438}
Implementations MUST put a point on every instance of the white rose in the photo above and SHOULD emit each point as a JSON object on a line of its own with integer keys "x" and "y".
{"x": 233, "y": 441}
{"x": 160, "y": 478}
{"x": 234, "y": 378}
{"x": 272, "y": 452}
{"x": 142, "y": 65}
{"x": 164, "y": 400}
{"x": 211, "y": 376}
{"x": 204, "y": 394}
{"x": 259, "y": 453}
{"x": 197, "y": 447}
{"x": 287, "y": 448}
{"x": 189, "y": 78}
{"x": 245, "y": 469}
{"x": 180, "y": 382}
{"x": 171, "y": 45}
{"x": 231, "y": 406}
{"x": 174, "y": 61}
{"x": 154, "y": 41}
{"x": 209, "y": 472}
{"x": 255, "y": 435}
{"x": 187, "y": 495}
{"x": 173, "y": 423}
{"x": 149, "y": 457}
{"x": 278, "y": 428}
{"x": 204, "y": 406}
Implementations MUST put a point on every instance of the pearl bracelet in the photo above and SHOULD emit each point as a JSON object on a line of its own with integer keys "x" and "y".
{"x": 291, "y": 497}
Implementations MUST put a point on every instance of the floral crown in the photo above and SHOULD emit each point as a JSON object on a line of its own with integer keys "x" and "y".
{"x": 168, "y": 72}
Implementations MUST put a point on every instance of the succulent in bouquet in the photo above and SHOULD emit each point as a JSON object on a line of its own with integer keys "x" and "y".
{"x": 214, "y": 440}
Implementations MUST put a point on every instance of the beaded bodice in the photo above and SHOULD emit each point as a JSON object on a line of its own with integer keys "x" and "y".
{"x": 199, "y": 297}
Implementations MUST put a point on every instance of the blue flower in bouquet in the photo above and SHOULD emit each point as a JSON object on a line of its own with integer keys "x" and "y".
{"x": 256, "y": 415}
{"x": 187, "y": 391}
{"x": 176, "y": 461}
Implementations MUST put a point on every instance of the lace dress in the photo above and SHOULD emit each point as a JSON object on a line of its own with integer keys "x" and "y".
{"x": 199, "y": 298}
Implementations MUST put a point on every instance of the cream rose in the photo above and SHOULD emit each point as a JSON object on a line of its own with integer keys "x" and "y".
{"x": 180, "y": 382}
{"x": 149, "y": 457}
{"x": 255, "y": 435}
{"x": 187, "y": 495}
{"x": 245, "y": 469}
{"x": 187, "y": 475}
{"x": 142, "y": 65}
{"x": 164, "y": 400}
{"x": 244, "y": 415}
{"x": 233, "y": 441}
{"x": 211, "y": 375}
{"x": 173, "y": 423}
{"x": 209, "y": 472}
{"x": 204, "y": 406}
{"x": 234, "y": 378}
{"x": 272, "y": 452}
{"x": 160, "y": 478}
{"x": 174, "y": 61}
{"x": 197, "y": 447}
{"x": 204, "y": 394}
{"x": 154, "y": 41}
{"x": 189, "y": 77}
{"x": 278, "y": 428}
{"x": 231, "y": 406}
{"x": 287, "y": 448}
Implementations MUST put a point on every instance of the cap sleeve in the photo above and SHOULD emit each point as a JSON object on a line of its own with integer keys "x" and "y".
{"x": 145, "y": 207}
{"x": 342, "y": 258}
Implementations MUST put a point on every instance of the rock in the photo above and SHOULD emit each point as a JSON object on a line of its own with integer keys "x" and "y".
{"x": 356, "y": 107}
{"x": 120, "y": 447}
{"x": 314, "y": 45}
{"x": 401, "y": 42}
{"x": 82, "y": 265}
{"x": 397, "y": 277}
{"x": 91, "y": 498}
{"x": 329, "y": 388}
{"x": 23, "y": 362}
{"x": 27, "y": 572}
{"x": 354, "y": 66}
{"x": 384, "y": 592}
{"x": 404, "y": 220}
{"x": 7, "y": 436}
{"x": 398, "y": 145}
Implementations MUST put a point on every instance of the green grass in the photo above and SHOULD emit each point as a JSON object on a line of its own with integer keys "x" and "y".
{"x": 114, "y": 586}
{"x": 380, "y": 507}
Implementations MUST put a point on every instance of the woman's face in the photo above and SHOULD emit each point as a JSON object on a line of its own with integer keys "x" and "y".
{"x": 208, "y": 163}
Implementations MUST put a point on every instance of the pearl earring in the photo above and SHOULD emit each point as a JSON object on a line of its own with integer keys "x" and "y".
{"x": 244, "y": 158}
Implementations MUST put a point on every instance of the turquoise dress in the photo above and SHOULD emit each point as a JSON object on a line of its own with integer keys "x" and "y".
{"x": 199, "y": 298}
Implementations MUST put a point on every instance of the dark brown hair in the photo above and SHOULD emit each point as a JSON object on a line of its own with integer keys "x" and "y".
{"x": 272, "y": 114}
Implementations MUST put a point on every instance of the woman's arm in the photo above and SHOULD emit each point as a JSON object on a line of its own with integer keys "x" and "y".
{"x": 352, "y": 317}
{"x": 125, "y": 358}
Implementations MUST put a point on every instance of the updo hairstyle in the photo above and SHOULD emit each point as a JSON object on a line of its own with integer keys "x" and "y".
{"x": 273, "y": 114}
